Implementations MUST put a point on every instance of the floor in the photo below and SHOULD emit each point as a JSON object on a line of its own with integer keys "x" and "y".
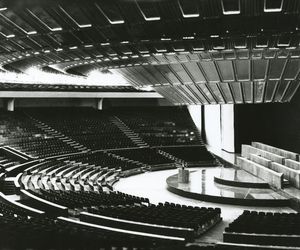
{"x": 153, "y": 186}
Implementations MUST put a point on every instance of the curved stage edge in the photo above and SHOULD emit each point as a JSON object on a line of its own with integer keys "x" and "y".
{"x": 240, "y": 183}
{"x": 265, "y": 197}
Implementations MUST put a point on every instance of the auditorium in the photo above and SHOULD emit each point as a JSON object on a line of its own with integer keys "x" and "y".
{"x": 149, "y": 124}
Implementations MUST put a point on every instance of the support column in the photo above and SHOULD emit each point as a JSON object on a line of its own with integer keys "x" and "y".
{"x": 100, "y": 103}
{"x": 10, "y": 104}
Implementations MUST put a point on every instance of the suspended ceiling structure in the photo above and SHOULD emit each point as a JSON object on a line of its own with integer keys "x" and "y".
{"x": 189, "y": 51}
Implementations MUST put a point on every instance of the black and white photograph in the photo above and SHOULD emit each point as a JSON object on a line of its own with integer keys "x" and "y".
{"x": 149, "y": 124}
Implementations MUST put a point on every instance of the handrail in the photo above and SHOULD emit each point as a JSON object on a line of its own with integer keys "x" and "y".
{"x": 19, "y": 153}
{"x": 31, "y": 209}
{"x": 136, "y": 222}
{"x": 43, "y": 201}
{"x": 122, "y": 230}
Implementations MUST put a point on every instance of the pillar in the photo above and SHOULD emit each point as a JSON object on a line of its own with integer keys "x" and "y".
{"x": 183, "y": 175}
{"x": 10, "y": 105}
{"x": 99, "y": 104}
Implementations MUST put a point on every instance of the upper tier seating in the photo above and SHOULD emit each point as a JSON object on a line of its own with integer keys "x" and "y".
{"x": 162, "y": 126}
{"x": 48, "y": 132}
{"x": 86, "y": 126}
{"x": 20, "y": 132}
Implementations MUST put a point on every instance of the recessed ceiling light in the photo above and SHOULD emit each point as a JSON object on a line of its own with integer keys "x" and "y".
{"x": 188, "y": 37}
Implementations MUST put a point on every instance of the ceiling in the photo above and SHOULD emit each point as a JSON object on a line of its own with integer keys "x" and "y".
{"x": 190, "y": 51}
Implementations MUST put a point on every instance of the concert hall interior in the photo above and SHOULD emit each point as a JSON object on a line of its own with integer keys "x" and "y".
{"x": 149, "y": 124}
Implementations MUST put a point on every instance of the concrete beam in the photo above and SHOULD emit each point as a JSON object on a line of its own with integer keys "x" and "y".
{"x": 64, "y": 94}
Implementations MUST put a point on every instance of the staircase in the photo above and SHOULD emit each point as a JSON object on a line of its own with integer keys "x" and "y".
{"x": 122, "y": 158}
{"x": 170, "y": 156}
{"x": 134, "y": 137}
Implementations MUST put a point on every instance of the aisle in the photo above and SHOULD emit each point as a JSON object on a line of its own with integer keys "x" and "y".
{"x": 153, "y": 186}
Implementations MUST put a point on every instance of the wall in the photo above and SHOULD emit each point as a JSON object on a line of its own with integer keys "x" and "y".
{"x": 219, "y": 127}
{"x": 227, "y": 128}
{"x": 212, "y": 126}
{"x": 195, "y": 112}
{"x": 275, "y": 124}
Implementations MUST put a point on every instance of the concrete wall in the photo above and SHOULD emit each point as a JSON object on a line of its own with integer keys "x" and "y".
{"x": 219, "y": 127}
{"x": 290, "y": 174}
{"x": 227, "y": 128}
{"x": 260, "y": 160}
{"x": 247, "y": 150}
{"x": 195, "y": 112}
{"x": 272, "y": 177}
{"x": 212, "y": 126}
{"x": 274, "y": 150}
{"x": 292, "y": 164}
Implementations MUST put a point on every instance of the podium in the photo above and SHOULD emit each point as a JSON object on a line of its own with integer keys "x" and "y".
{"x": 183, "y": 175}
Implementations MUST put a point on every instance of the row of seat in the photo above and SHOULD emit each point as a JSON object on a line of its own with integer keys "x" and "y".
{"x": 260, "y": 228}
{"x": 47, "y": 190}
{"x": 20, "y": 231}
{"x": 185, "y": 217}
{"x": 80, "y": 199}
{"x": 145, "y": 155}
{"x": 191, "y": 154}
{"x": 266, "y": 223}
{"x": 20, "y": 132}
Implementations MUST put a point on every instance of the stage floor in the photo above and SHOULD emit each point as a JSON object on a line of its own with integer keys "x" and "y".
{"x": 202, "y": 186}
{"x": 153, "y": 186}
{"x": 238, "y": 176}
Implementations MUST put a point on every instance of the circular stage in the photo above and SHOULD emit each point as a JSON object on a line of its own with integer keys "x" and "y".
{"x": 228, "y": 186}
{"x": 238, "y": 178}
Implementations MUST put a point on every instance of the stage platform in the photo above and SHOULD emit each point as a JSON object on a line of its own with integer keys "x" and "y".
{"x": 238, "y": 178}
{"x": 240, "y": 188}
